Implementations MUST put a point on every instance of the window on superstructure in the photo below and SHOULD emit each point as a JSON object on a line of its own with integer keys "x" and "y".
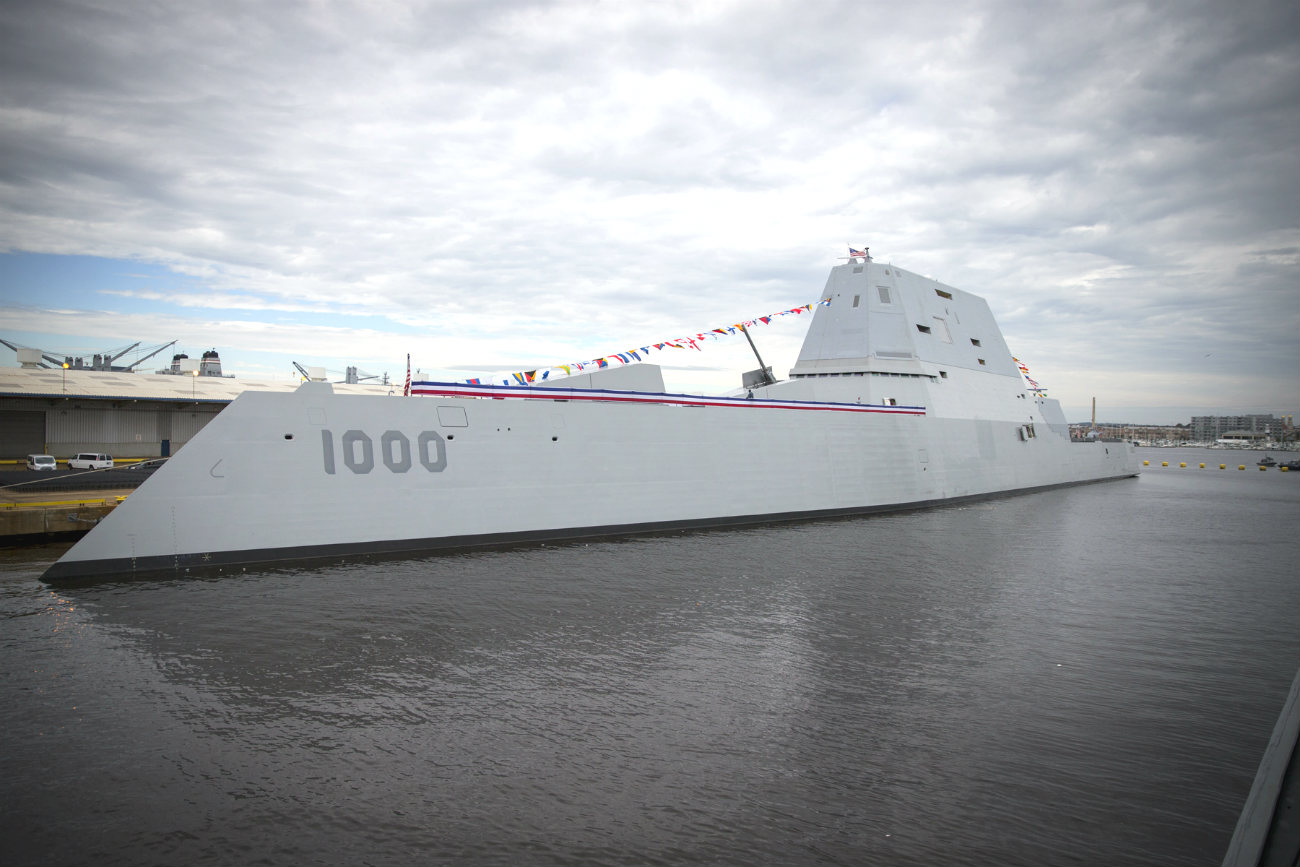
{"x": 943, "y": 374}
{"x": 974, "y": 342}
{"x": 856, "y": 299}
{"x": 924, "y": 329}
{"x": 884, "y": 294}
{"x": 943, "y": 294}
{"x": 980, "y": 360}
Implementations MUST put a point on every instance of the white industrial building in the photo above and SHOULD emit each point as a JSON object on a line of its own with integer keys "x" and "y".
{"x": 128, "y": 415}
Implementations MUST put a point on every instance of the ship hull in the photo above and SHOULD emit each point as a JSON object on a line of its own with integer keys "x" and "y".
{"x": 317, "y": 475}
{"x": 217, "y": 562}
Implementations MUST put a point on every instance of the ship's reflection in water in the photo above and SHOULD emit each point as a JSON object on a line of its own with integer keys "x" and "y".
{"x": 1021, "y": 681}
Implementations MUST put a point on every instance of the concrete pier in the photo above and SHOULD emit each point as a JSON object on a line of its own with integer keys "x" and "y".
{"x": 1268, "y": 833}
{"x": 35, "y": 517}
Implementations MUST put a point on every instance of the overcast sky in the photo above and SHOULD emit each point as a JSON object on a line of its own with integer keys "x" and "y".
{"x": 501, "y": 186}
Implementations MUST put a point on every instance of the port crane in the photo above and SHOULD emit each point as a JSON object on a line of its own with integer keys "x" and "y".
{"x": 98, "y": 361}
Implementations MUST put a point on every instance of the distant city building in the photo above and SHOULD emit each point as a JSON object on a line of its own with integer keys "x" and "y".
{"x": 1242, "y": 428}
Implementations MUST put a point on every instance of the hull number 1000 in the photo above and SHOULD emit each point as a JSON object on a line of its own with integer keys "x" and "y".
{"x": 357, "y": 451}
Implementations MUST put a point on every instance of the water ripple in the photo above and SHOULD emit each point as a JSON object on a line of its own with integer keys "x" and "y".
{"x": 1079, "y": 676}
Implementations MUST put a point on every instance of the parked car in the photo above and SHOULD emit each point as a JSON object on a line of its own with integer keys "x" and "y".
{"x": 90, "y": 461}
{"x": 42, "y": 462}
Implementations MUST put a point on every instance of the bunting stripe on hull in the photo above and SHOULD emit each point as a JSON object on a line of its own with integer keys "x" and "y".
{"x": 528, "y": 392}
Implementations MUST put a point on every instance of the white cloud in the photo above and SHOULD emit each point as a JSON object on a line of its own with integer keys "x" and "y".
{"x": 533, "y": 180}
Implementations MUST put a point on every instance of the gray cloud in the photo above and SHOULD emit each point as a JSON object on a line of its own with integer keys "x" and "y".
{"x": 1120, "y": 179}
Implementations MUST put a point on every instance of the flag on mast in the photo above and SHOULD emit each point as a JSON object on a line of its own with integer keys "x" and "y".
{"x": 406, "y": 392}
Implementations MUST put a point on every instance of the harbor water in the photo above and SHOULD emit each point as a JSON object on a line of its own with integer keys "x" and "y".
{"x": 1080, "y": 676}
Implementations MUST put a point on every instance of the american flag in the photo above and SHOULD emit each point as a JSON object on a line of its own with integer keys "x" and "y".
{"x": 406, "y": 392}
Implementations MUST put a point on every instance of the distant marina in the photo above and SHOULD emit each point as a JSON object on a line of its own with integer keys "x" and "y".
{"x": 1253, "y": 431}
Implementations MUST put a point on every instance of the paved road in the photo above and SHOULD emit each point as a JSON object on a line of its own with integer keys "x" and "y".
{"x": 74, "y": 480}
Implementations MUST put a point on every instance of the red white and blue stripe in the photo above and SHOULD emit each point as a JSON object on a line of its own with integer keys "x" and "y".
{"x": 535, "y": 392}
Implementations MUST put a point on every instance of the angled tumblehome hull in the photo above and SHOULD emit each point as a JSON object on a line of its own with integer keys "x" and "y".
{"x": 875, "y": 417}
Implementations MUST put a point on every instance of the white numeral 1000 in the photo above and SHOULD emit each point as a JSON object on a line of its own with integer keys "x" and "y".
{"x": 394, "y": 450}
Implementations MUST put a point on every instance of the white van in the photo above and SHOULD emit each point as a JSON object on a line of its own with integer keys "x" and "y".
{"x": 90, "y": 461}
{"x": 41, "y": 462}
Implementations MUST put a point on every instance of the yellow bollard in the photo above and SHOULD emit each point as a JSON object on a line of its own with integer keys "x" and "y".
{"x": 1202, "y": 466}
{"x": 1146, "y": 463}
{"x": 1223, "y": 466}
{"x": 1261, "y": 469}
{"x": 1242, "y": 467}
{"x": 1164, "y": 463}
{"x": 1283, "y": 469}
{"x": 1183, "y": 465}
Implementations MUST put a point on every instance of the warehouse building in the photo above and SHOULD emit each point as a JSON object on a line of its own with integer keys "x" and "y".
{"x": 62, "y": 412}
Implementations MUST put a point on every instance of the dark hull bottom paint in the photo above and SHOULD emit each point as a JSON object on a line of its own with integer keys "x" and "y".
{"x": 221, "y": 562}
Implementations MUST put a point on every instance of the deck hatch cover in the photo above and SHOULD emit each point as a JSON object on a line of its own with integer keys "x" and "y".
{"x": 452, "y": 416}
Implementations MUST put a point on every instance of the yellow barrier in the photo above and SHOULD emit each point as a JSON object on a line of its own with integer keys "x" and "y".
{"x": 101, "y": 501}
{"x": 1202, "y": 466}
{"x": 1183, "y": 465}
{"x": 1164, "y": 463}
